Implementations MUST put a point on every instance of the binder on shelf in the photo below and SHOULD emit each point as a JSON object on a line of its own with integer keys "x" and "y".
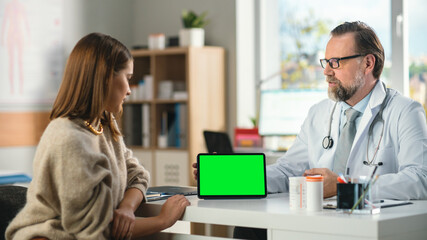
{"x": 178, "y": 125}
{"x": 181, "y": 125}
{"x": 164, "y": 124}
{"x": 146, "y": 125}
{"x": 171, "y": 133}
{"x": 127, "y": 124}
{"x": 132, "y": 129}
{"x": 174, "y": 126}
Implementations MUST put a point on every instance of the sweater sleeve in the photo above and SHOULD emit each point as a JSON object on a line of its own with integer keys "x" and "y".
{"x": 84, "y": 182}
{"x": 71, "y": 192}
{"x": 137, "y": 176}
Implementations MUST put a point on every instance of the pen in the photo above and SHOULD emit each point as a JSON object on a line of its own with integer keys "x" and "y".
{"x": 342, "y": 179}
{"x": 373, "y": 173}
{"x": 363, "y": 194}
{"x": 370, "y": 182}
{"x": 372, "y": 177}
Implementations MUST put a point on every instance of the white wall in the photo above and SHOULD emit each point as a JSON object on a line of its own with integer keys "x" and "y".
{"x": 245, "y": 59}
{"x": 110, "y": 17}
{"x": 231, "y": 25}
{"x": 17, "y": 159}
{"x": 80, "y": 18}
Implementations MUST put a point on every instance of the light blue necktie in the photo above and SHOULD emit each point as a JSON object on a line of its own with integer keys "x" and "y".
{"x": 345, "y": 141}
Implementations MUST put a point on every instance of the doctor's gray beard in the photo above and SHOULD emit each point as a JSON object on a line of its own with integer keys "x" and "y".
{"x": 341, "y": 93}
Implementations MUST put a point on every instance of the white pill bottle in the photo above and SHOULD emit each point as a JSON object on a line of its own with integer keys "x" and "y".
{"x": 314, "y": 193}
{"x": 297, "y": 193}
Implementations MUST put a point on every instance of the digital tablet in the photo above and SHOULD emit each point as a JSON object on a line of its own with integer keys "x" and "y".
{"x": 235, "y": 175}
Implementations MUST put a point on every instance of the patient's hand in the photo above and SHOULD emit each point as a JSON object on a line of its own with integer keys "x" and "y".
{"x": 123, "y": 223}
{"x": 173, "y": 209}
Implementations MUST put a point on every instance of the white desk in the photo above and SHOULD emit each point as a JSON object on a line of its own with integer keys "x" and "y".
{"x": 403, "y": 222}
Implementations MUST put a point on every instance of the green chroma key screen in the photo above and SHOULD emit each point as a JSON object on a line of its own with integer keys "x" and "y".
{"x": 231, "y": 175}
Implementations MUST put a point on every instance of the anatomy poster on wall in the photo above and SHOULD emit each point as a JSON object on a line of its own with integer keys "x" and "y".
{"x": 31, "y": 53}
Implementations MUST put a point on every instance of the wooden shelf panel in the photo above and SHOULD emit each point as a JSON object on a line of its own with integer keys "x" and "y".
{"x": 166, "y": 51}
{"x": 157, "y": 101}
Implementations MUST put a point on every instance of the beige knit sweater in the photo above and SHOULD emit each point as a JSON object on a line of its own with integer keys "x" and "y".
{"x": 79, "y": 179}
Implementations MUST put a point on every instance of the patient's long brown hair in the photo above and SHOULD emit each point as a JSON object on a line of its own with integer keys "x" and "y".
{"x": 87, "y": 77}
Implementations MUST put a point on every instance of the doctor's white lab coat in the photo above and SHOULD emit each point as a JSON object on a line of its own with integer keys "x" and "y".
{"x": 403, "y": 148}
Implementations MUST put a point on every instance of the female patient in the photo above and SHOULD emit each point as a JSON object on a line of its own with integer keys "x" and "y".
{"x": 86, "y": 183}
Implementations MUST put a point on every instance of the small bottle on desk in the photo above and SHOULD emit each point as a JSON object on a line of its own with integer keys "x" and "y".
{"x": 314, "y": 193}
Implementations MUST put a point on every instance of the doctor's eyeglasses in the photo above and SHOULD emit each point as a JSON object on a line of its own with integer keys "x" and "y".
{"x": 335, "y": 62}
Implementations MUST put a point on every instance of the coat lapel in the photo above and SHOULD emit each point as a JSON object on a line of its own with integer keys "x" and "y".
{"x": 373, "y": 107}
{"x": 327, "y": 158}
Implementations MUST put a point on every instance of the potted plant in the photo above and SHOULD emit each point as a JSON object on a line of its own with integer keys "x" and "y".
{"x": 193, "y": 33}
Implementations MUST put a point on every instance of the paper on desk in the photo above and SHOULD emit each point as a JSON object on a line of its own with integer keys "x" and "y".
{"x": 157, "y": 198}
{"x": 331, "y": 203}
{"x": 393, "y": 203}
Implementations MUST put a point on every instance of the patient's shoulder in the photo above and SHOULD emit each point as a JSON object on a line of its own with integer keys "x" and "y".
{"x": 63, "y": 131}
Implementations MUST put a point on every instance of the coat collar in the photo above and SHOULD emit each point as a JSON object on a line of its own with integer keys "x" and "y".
{"x": 378, "y": 95}
{"x": 377, "y": 98}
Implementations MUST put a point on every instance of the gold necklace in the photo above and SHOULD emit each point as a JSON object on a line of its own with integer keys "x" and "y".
{"x": 92, "y": 129}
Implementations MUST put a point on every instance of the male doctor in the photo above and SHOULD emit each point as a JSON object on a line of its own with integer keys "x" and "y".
{"x": 353, "y": 63}
{"x": 385, "y": 129}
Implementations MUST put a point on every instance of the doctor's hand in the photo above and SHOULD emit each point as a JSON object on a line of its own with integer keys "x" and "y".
{"x": 195, "y": 173}
{"x": 329, "y": 180}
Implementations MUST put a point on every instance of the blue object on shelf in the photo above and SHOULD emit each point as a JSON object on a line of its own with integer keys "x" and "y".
{"x": 14, "y": 178}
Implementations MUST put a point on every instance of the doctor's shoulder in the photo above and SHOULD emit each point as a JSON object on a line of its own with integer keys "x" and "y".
{"x": 400, "y": 105}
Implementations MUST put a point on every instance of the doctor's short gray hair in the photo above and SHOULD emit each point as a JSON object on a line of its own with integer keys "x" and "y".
{"x": 367, "y": 42}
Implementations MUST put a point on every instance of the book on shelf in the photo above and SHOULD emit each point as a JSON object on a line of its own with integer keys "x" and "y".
{"x": 180, "y": 95}
{"x": 174, "y": 126}
{"x": 136, "y": 124}
{"x": 171, "y": 133}
{"x": 181, "y": 125}
{"x": 131, "y": 131}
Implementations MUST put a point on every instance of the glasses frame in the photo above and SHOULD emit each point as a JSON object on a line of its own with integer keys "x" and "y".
{"x": 324, "y": 61}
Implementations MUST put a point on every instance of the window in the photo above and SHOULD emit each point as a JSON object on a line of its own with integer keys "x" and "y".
{"x": 304, "y": 32}
{"x": 417, "y": 49}
{"x": 303, "y": 29}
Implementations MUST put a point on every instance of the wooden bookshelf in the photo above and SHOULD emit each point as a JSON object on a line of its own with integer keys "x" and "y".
{"x": 200, "y": 71}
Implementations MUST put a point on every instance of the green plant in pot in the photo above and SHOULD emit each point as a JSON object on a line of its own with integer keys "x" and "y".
{"x": 193, "y": 33}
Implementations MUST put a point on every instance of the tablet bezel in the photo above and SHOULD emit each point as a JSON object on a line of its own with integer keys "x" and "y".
{"x": 230, "y": 196}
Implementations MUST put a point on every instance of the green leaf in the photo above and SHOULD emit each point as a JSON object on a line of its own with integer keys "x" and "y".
{"x": 191, "y": 20}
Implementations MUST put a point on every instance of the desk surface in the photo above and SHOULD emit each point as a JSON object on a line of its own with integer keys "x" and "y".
{"x": 273, "y": 213}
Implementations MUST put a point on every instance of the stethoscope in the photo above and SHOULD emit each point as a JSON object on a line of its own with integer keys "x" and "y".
{"x": 328, "y": 142}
